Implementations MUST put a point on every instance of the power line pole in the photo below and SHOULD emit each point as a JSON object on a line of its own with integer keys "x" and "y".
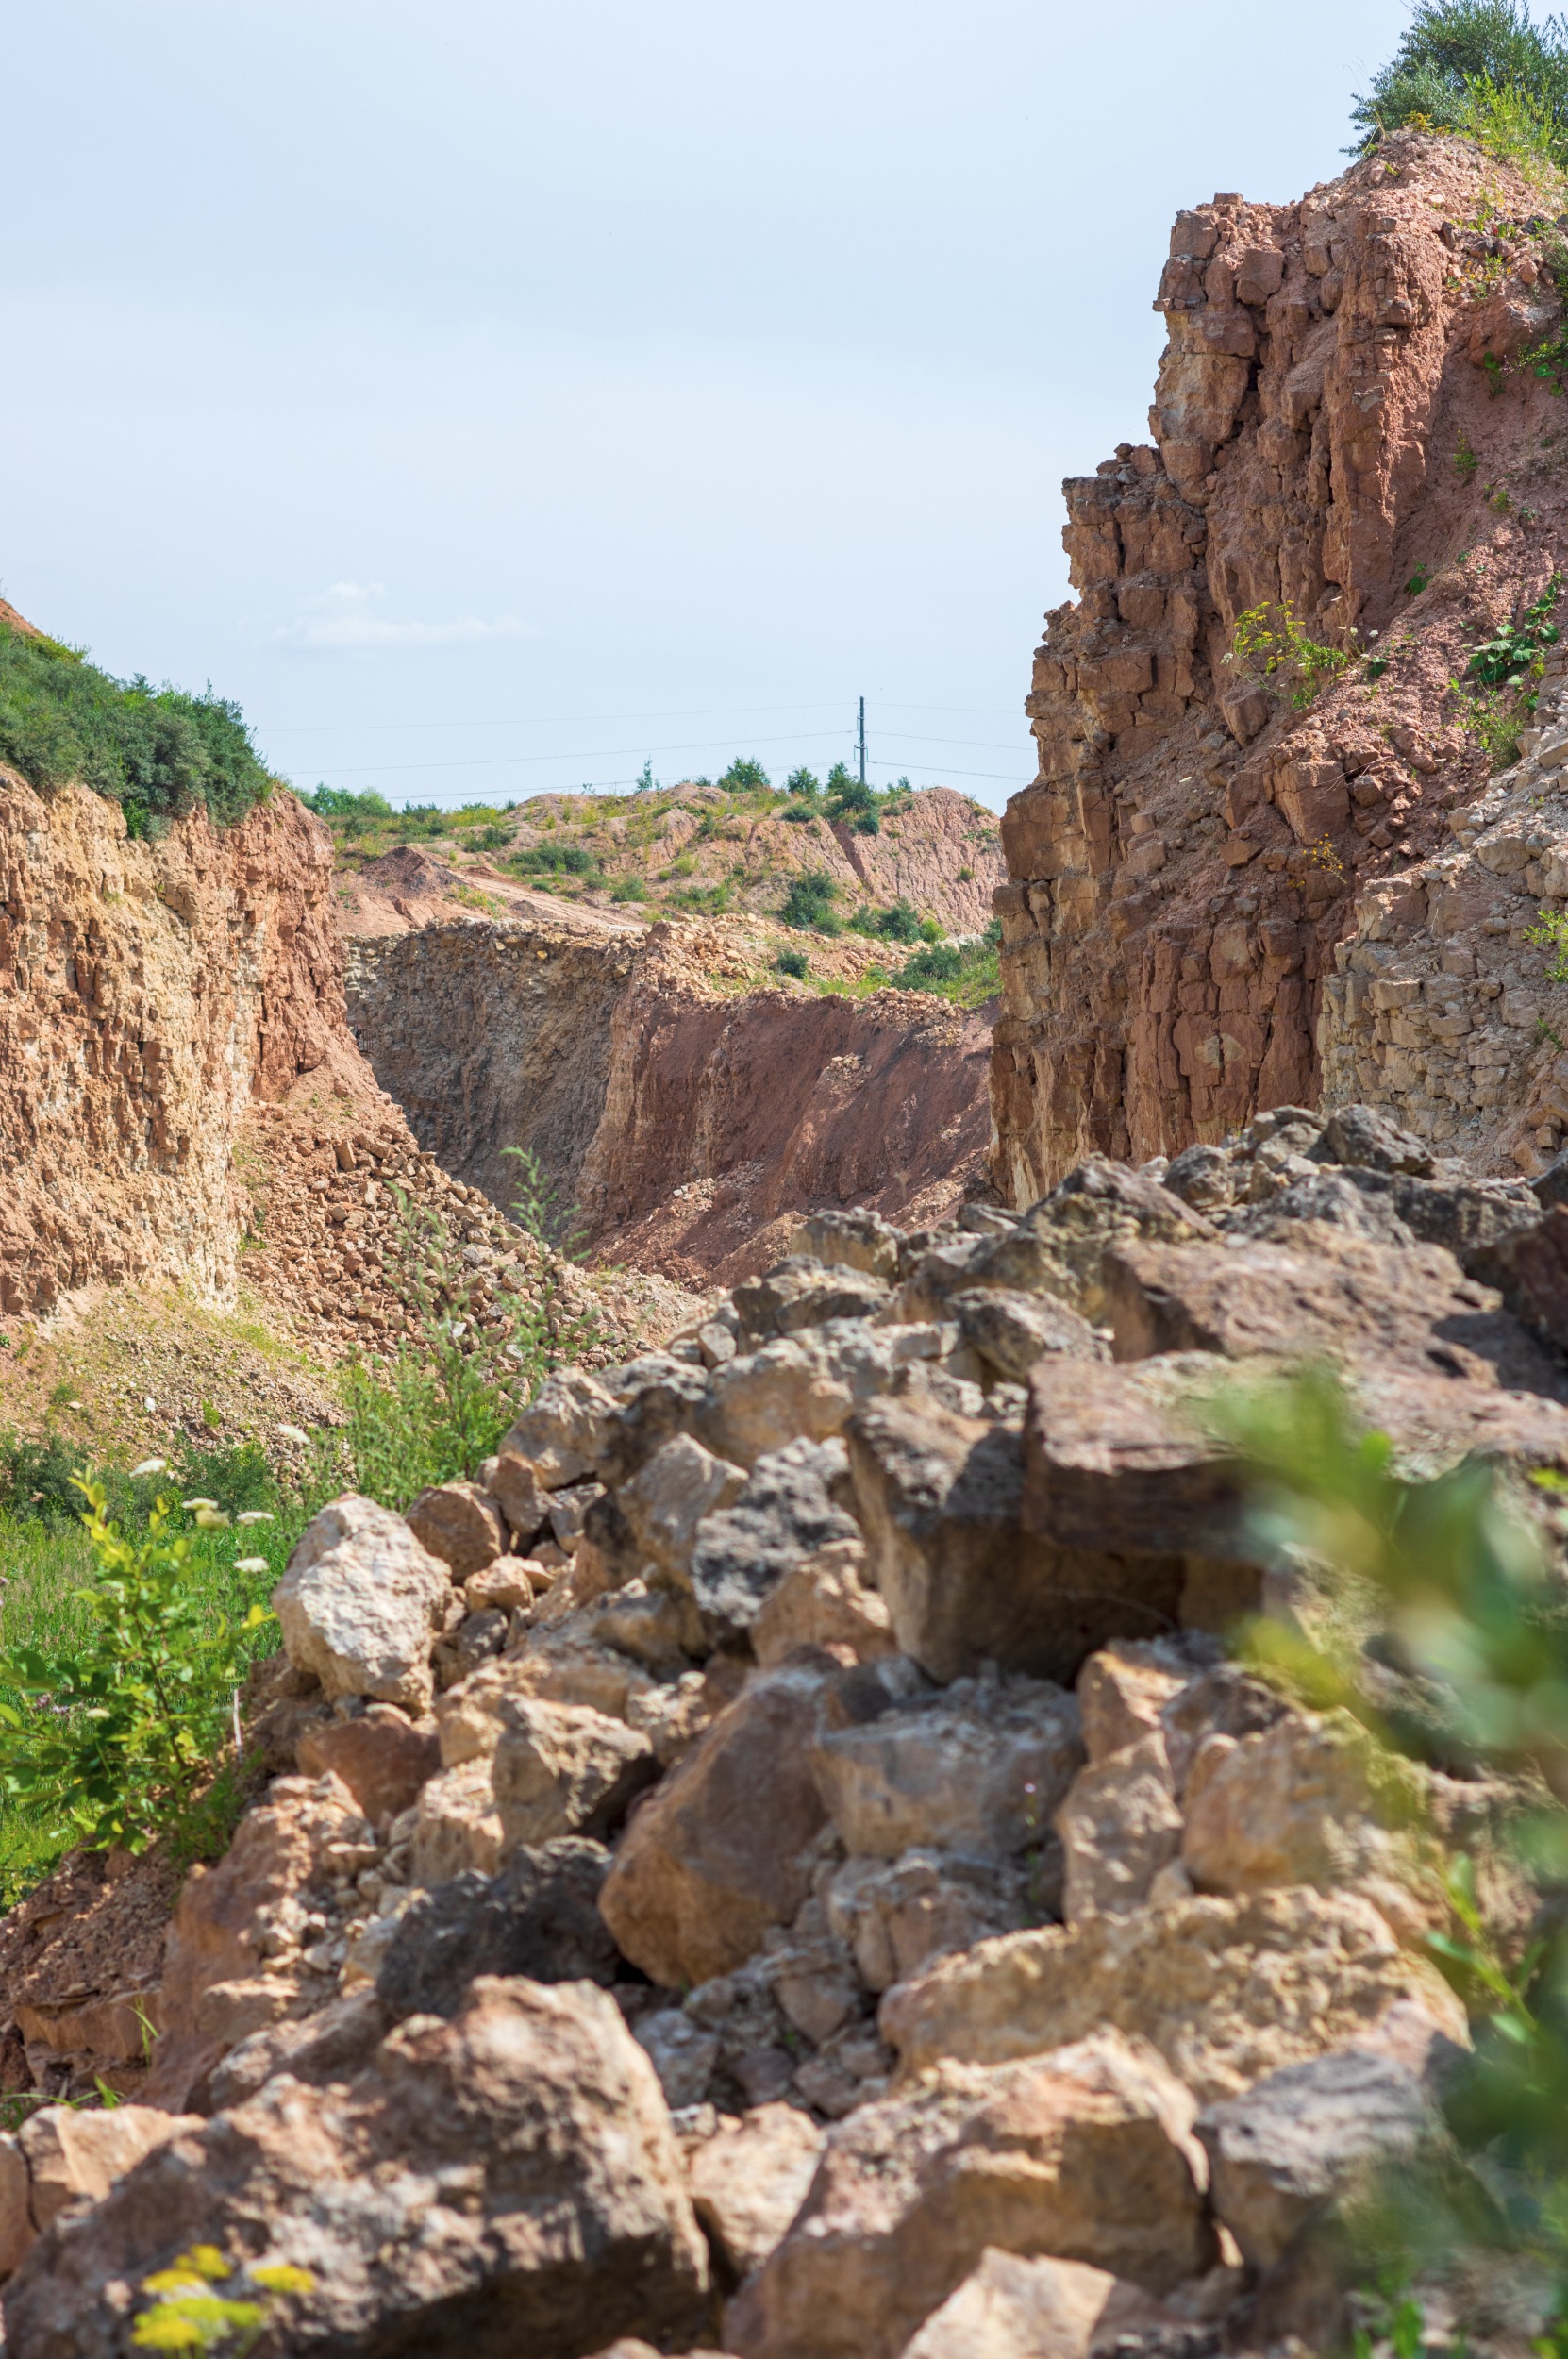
{"x": 862, "y": 740}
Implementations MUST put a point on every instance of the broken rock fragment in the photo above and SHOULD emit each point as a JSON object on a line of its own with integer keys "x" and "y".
{"x": 1087, "y": 2155}
{"x": 561, "y": 1770}
{"x": 749, "y": 2181}
{"x": 460, "y": 1522}
{"x": 785, "y": 1512}
{"x": 360, "y": 1602}
{"x": 1010, "y": 2308}
{"x": 507, "y": 2179}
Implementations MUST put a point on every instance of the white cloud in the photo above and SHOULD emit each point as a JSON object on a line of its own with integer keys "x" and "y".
{"x": 344, "y": 616}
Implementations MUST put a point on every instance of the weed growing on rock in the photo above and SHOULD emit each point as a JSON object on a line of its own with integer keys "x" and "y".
{"x": 1513, "y": 655}
{"x": 1550, "y": 932}
{"x": 1465, "y": 461}
{"x": 188, "y": 2313}
{"x": 1271, "y": 646}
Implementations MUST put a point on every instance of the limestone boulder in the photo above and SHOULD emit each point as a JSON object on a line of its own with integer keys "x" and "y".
{"x": 939, "y": 1498}
{"x": 750, "y": 2179}
{"x": 1117, "y": 1457}
{"x": 513, "y": 1483}
{"x": 361, "y": 1604}
{"x": 1086, "y": 2155}
{"x": 460, "y": 1522}
{"x": 1301, "y": 2138}
{"x": 824, "y": 1601}
{"x": 802, "y": 1292}
{"x": 714, "y": 1856}
{"x": 852, "y": 1240}
{"x": 784, "y": 1513}
{"x": 1120, "y": 1824}
{"x": 1008, "y": 2308}
{"x": 539, "y": 1917}
{"x": 561, "y": 1770}
{"x": 1125, "y": 1690}
{"x": 807, "y": 1386}
{"x": 505, "y": 2179}
{"x": 1226, "y": 1990}
{"x": 980, "y": 1766}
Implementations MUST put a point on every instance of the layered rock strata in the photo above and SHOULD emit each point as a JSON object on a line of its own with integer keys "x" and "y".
{"x": 688, "y": 1127}
{"x": 1337, "y": 430}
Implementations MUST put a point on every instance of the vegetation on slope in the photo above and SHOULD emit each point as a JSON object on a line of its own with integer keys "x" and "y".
{"x": 159, "y": 753}
{"x": 1483, "y": 68}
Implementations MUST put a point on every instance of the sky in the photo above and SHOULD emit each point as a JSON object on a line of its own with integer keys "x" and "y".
{"x": 496, "y": 397}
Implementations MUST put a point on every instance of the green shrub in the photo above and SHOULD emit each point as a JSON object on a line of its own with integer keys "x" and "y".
{"x": 573, "y": 859}
{"x": 629, "y": 889}
{"x": 809, "y": 901}
{"x": 1270, "y": 645}
{"x": 493, "y": 839}
{"x": 743, "y": 775}
{"x": 1506, "y": 660}
{"x": 159, "y": 753}
{"x": 1478, "y": 66}
{"x": 338, "y": 802}
{"x": 967, "y": 973}
{"x": 792, "y": 962}
{"x": 113, "y": 1731}
{"x": 803, "y": 782}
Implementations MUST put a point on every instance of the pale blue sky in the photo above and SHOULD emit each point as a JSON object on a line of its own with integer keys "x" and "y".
{"x": 489, "y": 396}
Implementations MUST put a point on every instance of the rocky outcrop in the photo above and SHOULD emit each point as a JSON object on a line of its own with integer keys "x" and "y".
{"x": 1220, "y": 900}
{"x": 690, "y": 1127}
{"x": 147, "y": 991}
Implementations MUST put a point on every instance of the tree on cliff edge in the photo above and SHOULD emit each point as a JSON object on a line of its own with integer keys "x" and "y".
{"x": 1454, "y": 47}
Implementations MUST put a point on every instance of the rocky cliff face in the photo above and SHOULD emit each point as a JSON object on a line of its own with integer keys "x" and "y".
{"x": 688, "y": 1125}
{"x": 1334, "y": 424}
{"x": 146, "y": 992}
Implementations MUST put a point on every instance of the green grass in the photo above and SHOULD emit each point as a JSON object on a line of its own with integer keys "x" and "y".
{"x": 968, "y": 973}
{"x": 159, "y": 753}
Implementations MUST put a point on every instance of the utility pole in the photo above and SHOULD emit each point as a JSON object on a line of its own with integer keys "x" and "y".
{"x": 862, "y": 740}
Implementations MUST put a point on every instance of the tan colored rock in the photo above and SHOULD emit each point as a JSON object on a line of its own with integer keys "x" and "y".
{"x": 16, "y": 2219}
{"x": 980, "y": 1766}
{"x": 241, "y": 1919}
{"x": 563, "y": 1432}
{"x": 522, "y": 1498}
{"x": 1119, "y": 1827}
{"x": 749, "y": 2181}
{"x": 535, "y": 2105}
{"x": 1226, "y": 1989}
{"x": 1306, "y": 1801}
{"x": 460, "y": 1522}
{"x": 360, "y": 1603}
{"x": 1087, "y": 2155}
{"x": 1010, "y": 2308}
{"x": 73, "y": 2156}
{"x": 825, "y": 1601}
{"x": 807, "y": 1386}
{"x": 507, "y": 1585}
{"x": 383, "y": 1758}
{"x": 712, "y": 1857}
{"x": 897, "y": 1916}
{"x": 565, "y": 1769}
{"x": 1124, "y": 1690}
{"x": 1113, "y": 1458}
{"x": 458, "y": 1826}
{"x": 939, "y": 1498}
{"x": 667, "y": 1499}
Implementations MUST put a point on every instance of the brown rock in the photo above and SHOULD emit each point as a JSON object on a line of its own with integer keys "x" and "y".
{"x": 504, "y": 1586}
{"x": 565, "y": 1769}
{"x": 460, "y": 1524}
{"x": 1087, "y": 2155}
{"x": 1119, "y": 1827}
{"x": 1226, "y": 1990}
{"x": 574, "y": 2226}
{"x": 383, "y": 1758}
{"x": 703, "y": 1870}
{"x": 824, "y": 1601}
{"x": 1125, "y": 1690}
{"x": 749, "y": 2181}
{"x": 72, "y": 2156}
{"x": 1012, "y": 2309}
{"x": 941, "y": 1502}
{"x": 1409, "y": 1309}
{"x": 306, "y": 1831}
{"x": 1116, "y": 1458}
{"x": 520, "y": 1494}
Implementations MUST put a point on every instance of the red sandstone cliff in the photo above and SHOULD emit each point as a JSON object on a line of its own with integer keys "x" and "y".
{"x": 1192, "y": 850}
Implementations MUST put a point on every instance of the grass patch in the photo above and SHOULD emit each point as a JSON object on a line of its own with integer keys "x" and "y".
{"x": 967, "y": 973}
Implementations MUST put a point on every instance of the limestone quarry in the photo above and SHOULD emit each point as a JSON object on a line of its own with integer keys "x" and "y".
{"x": 799, "y": 1852}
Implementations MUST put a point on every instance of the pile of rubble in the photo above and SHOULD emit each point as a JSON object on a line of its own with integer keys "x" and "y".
{"x": 785, "y": 1860}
